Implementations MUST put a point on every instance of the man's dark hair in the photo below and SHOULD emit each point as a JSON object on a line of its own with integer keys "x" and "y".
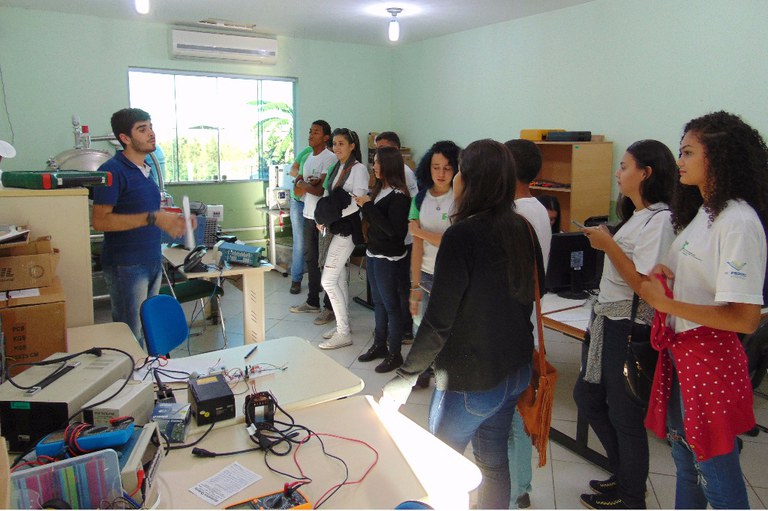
{"x": 124, "y": 120}
{"x": 389, "y": 135}
{"x": 527, "y": 157}
{"x": 326, "y": 131}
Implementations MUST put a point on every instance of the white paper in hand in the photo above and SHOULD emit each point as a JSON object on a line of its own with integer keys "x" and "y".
{"x": 189, "y": 235}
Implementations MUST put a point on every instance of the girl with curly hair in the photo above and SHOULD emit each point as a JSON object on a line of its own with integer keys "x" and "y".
{"x": 709, "y": 289}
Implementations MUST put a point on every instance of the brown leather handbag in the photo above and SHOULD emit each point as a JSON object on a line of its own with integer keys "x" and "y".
{"x": 535, "y": 403}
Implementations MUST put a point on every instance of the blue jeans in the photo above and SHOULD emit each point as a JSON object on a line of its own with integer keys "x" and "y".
{"x": 129, "y": 286}
{"x": 404, "y": 289}
{"x": 384, "y": 278}
{"x": 297, "y": 230}
{"x": 519, "y": 452}
{"x": 717, "y": 481}
{"x": 426, "y": 284}
{"x": 484, "y": 418}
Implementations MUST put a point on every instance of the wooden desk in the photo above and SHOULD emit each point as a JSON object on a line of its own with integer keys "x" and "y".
{"x": 251, "y": 284}
{"x": 412, "y": 463}
{"x": 571, "y": 317}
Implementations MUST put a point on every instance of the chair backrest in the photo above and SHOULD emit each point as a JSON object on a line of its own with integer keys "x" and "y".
{"x": 164, "y": 323}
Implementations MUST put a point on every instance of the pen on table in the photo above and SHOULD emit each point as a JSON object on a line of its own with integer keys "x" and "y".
{"x": 250, "y": 353}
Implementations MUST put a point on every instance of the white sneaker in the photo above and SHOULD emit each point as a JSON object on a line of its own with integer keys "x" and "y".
{"x": 337, "y": 340}
{"x": 329, "y": 333}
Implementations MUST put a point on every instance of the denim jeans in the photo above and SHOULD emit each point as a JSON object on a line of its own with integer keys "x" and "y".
{"x": 335, "y": 279}
{"x": 297, "y": 229}
{"x": 311, "y": 263}
{"x": 617, "y": 421}
{"x": 426, "y": 285}
{"x": 519, "y": 452}
{"x": 129, "y": 286}
{"x": 717, "y": 481}
{"x": 384, "y": 278}
{"x": 404, "y": 290}
{"x": 484, "y": 418}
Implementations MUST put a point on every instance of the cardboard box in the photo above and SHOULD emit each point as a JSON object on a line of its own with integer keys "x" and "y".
{"x": 34, "y": 327}
{"x": 28, "y": 266}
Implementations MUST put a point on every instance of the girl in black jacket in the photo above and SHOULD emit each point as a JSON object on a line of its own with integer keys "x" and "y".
{"x": 386, "y": 211}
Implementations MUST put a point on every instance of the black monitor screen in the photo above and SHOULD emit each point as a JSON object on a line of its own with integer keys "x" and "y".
{"x": 574, "y": 266}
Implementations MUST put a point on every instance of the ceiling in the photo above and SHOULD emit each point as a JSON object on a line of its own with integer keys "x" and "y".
{"x": 348, "y": 21}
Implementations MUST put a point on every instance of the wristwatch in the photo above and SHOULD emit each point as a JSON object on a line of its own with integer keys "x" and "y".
{"x": 151, "y": 217}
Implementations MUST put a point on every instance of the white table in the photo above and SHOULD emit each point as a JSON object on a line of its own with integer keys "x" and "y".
{"x": 251, "y": 284}
{"x": 110, "y": 335}
{"x": 570, "y": 317}
{"x": 412, "y": 463}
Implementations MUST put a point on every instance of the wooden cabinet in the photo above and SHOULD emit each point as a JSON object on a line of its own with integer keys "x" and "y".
{"x": 61, "y": 214}
{"x": 584, "y": 171}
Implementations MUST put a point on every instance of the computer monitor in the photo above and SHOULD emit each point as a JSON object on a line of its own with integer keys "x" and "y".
{"x": 574, "y": 266}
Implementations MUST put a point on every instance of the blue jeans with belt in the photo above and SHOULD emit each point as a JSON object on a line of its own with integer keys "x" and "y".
{"x": 297, "y": 230}
{"x": 717, "y": 481}
{"x": 484, "y": 418}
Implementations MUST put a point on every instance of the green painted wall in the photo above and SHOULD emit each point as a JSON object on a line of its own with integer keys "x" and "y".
{"x": 628, "y": 69}
{"x": 56, "y": 65}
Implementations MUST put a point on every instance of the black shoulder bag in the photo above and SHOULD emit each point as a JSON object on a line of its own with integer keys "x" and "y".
{"x": 640, "y": 362}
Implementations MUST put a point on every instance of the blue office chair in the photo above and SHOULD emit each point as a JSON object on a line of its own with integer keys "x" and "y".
{"x": 164, "y": 324}
{"x": 194, "y": 290}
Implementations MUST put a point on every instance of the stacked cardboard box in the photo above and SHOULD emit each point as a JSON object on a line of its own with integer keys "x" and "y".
{"x": 32, "y": 303}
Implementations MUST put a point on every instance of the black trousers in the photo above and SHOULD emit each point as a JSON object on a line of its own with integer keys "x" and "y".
{"x": 616, "y": 420}
{"x": 311, "y": 257}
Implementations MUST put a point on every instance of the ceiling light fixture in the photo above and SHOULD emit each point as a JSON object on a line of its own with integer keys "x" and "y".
{"x": 142, "y": 6}
{"x": 394, "y": 26}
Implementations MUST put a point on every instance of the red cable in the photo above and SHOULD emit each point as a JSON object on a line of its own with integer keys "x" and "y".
{"x": 347, "y": 483}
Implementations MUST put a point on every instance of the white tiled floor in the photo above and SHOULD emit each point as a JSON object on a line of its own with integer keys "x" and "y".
{"x": 557, "y": 485}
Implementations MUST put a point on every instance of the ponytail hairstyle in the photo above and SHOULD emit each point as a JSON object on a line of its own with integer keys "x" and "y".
{"x": 659, "y": 185}
{"x": 352, "y": 138}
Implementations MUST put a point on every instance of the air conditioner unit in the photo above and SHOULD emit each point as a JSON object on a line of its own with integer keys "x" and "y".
{"x": 211, "y": 45}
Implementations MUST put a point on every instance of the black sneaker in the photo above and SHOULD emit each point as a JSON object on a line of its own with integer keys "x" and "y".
{"x": 373, "y": 353}
{"x": 592, "y": 501}
{"x": 392, "y": 362}
{"x": 523, "y": 501}
{"x": 295, "y": 288}
{"x": 607, "y": 487}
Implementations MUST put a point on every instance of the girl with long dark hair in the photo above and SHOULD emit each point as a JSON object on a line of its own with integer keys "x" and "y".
{"x": 477, "y": 330}
{"x": 386, "y": 264}
{"x": 645, "y": 178}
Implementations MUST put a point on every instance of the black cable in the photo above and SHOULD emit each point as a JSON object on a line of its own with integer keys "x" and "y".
{"x": 185, "y": 446}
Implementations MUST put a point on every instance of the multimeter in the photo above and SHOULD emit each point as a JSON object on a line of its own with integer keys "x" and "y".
{"x": 292, "y": 499}
{"x": 91, "y": 439}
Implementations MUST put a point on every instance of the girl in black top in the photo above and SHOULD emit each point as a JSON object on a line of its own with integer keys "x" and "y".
{"x": 386, "y": 210}
{"x": 477, "y": 330}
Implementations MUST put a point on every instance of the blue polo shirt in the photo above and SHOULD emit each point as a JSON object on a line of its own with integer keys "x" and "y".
{"x": 130, "y": 193}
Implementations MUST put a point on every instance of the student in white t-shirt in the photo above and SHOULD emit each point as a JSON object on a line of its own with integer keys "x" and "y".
{"x": 645, "y": 179}
{"x": 527, "y": 158}
{"x": 346, "y": 180}
{"x": 715, "y": 267}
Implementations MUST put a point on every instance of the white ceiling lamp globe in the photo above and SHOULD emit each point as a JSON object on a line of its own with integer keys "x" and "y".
{"x": 393, "y": 30}
{"x": 142, "y": 6}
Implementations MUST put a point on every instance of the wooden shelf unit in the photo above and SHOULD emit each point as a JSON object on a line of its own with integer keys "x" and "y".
{"x": 588, "y": 168}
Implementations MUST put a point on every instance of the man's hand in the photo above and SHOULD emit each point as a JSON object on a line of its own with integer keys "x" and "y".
{"x": 173, "y": 223}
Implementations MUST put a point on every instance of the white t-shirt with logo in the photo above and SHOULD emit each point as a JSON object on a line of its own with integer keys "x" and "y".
{"x": 413, "y": 189}
{"x": 534, "y": 211}
{"x": 315, "y": 166}
{"x": 434, "y": 216}
{"x": 644, "y": 238}
{"x": 719, "y": 263}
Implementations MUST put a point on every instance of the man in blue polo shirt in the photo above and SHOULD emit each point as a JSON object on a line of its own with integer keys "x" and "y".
{"x": 129, "y": 213}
